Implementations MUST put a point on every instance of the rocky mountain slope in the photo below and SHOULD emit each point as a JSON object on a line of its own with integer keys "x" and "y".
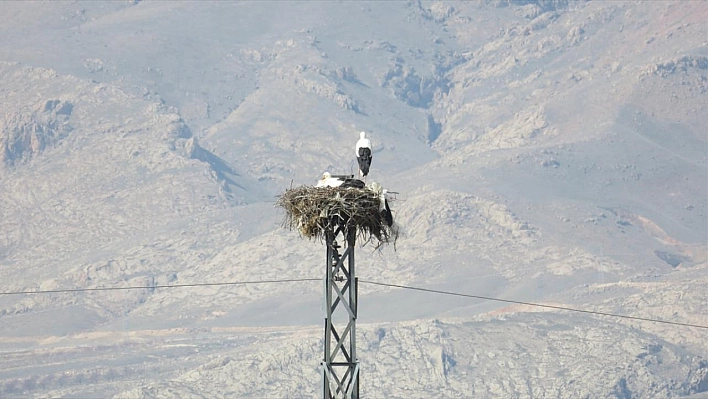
{"x": 545, "y": 151}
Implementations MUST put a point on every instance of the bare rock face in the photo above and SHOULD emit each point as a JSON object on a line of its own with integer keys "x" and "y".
{"x": 677, "y": 65}
{"x": 545, "y": 151}
{"x": 24, "y": 134}
{"x": 415, "y": 90}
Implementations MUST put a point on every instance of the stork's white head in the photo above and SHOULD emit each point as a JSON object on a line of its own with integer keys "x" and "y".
{"x": 362, "y": 135}
{"x": 326, "y": 175}
{"x": 376, "y": 187}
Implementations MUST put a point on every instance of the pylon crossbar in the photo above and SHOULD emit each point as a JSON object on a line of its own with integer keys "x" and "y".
{"x": 340, "y": 344}
{"x": 345, "y": 378}
{"x": 337, "y": 344}
{"x": 331, "y": 376}
{"x": 340, "y": 262}
{"x": 354, "y": 381}
{"x": 340, "y": 296}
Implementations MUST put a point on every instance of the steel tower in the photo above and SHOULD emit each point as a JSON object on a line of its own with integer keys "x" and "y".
{"x": 340, "y": 366}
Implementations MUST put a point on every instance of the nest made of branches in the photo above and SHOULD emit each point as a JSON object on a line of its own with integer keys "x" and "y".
{"x": 315, "y": 210}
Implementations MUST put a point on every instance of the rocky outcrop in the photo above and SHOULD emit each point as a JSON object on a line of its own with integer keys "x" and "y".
{"x": 677, "y": 65}
{"x": 24, "y": 134}
{"x": 410, "y": 87}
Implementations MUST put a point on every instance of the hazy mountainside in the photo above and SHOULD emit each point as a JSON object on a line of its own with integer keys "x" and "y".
{"x": 545, "y": 151}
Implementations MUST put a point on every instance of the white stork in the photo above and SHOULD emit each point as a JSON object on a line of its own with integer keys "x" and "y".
{"x": 328, "y": 180}
{"x": 384, "y": 210}
{"x": 363, "y": 154}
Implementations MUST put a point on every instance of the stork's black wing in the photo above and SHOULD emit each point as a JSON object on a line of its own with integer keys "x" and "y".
{"x": 356, "y": 183}
{"x": 364, "y": 160}
{"x": 387, "y": 215}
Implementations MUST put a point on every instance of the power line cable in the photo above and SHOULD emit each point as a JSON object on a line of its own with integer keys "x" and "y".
{"x": 535, "y": 304}
{"x": 140, "y": 287}
{"x": 231, "y": 283}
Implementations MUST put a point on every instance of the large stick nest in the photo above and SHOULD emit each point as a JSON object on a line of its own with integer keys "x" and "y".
{"x": 315, "y": 210}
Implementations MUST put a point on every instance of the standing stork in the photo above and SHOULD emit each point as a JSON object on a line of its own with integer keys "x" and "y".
{"x": 384, "y": 209}
{"x": 363, "y": 154}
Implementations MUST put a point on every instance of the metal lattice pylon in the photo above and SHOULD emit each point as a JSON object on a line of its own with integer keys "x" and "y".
{"x": 340, "y": 367}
